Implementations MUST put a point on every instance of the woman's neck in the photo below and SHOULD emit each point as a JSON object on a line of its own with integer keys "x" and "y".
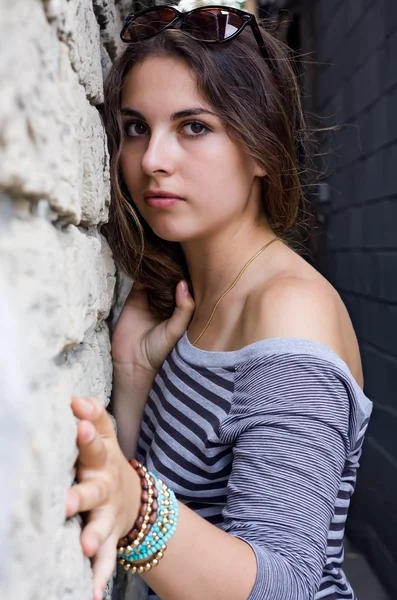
{"x": 215, "y": 262}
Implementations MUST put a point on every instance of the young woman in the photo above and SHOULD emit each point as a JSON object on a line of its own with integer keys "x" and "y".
{"x": 247, "y": 401}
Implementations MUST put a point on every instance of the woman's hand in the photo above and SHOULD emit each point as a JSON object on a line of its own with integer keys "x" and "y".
{"x": 142, "y": 342}
{"x": 108, "y": 489}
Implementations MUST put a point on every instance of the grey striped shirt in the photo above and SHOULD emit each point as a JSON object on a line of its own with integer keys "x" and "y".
{"x": 263, "y": 442}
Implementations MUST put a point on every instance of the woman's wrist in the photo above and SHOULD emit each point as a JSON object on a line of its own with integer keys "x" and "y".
{"x": 131, "y": 499}
{"x": 144, "y": 545}
{"x": 126, "y": 375}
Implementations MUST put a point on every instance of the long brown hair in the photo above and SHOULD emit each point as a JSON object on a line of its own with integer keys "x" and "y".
{"x": 259, "y": 104}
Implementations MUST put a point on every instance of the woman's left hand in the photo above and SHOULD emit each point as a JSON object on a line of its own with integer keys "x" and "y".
{"x": 108, "y": 489}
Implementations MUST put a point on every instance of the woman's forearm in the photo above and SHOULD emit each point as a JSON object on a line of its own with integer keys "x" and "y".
{"x": 131, "y": 388}
{"x": 202, "y": 561}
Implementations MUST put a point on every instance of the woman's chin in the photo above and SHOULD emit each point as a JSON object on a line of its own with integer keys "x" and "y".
{"x": 171, "y": 235}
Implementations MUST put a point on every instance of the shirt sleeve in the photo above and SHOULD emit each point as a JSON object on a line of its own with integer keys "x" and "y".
{"x": 289, "y": 424}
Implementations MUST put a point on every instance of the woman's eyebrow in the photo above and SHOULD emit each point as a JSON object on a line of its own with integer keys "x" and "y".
{"x": 181, "y": 114}
{"x": 191, "y": 112}
{"x": 130, "y": 112}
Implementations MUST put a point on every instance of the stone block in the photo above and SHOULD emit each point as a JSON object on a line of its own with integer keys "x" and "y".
{"x": 83, "y": 190}
{"x": 32, "y": 255}
{"x": 29, "y": 122}
{"x": 89, "y": 365}
{"x": 53, "y": 144}
{"x": 80, "y": 30}
{"x": 37, "y": 420}
{"x": 125, "y": 7}
{"x": 110, "y": 24}
{"x": 89, "y": 275}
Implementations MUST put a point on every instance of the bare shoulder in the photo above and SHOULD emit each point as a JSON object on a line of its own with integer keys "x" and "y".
{"x": 307, "y": 307}
{"x": 289, "y": 306}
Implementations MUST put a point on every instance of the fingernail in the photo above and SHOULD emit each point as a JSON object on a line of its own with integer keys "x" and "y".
{"x": 90, "y": 434}
{"x": 87, "y": 404}
{"x": 184, "y": 287}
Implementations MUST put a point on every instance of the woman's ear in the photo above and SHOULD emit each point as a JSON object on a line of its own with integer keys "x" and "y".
{"x": 260, "y": 171}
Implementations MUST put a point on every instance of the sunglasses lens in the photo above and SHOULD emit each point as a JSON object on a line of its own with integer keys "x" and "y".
{"x": 212, "y": 25}
{"x": 148, "y": 24}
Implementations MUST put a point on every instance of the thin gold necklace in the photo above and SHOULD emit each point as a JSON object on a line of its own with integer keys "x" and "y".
{"x": 217, "y": 303}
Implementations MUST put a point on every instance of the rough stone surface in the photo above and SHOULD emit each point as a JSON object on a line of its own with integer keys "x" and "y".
{"x": 57, "y": 278}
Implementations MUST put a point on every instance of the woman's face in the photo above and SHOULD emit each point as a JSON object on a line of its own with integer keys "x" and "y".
{"x": 185, "y": 175}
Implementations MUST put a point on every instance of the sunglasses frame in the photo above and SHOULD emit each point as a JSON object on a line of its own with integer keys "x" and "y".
{"x": 248, "y": 19}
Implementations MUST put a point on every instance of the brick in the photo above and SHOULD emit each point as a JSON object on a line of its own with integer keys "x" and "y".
{"x": 389, "y": 10}
{"x": 378, "y": 484}
{"x": 372, "y": 30}
{"x": 378, "y": 324}
{"x": 371, "y": 184}
{"x": 338, "y": 231}
{"x": 380, "y": 124}
{"x": 380, "y": 373}
{"x": 387, "y": 75}
{"x": 365, "y": 132}
{"x": 391, "y": 116}
{"x": 390, "y": 170}
{"x": 348, "y": 99}
{"x": 378, "y": 224}
{"x": 383, "y": 428}
{"x": 359, "y": 174}
{"x": 368, "y": 274}
{"x": 368, "y": 226}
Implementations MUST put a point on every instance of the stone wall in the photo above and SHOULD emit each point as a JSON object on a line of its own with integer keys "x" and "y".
{"x": 357, "y": 90}
{"x": 57, "y": 277}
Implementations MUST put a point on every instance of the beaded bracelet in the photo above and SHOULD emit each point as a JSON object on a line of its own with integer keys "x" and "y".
{"x": 147, "y": 514}
{"x": 162, "y": 530}
{"x": 156, "y": 528}
{"x": 139, "y": 569}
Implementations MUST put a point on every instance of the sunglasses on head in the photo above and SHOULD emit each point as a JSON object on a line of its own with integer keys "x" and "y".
{"x": 208, "y": 24}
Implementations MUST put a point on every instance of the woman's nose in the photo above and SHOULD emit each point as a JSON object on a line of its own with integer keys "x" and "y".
{"x": 158, "y": 156}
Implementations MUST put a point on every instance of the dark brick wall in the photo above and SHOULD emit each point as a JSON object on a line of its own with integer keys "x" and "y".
{"x": 356, "y": 88}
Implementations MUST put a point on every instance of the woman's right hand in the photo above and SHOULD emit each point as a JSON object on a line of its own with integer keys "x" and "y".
{"x": 141, "y": 342}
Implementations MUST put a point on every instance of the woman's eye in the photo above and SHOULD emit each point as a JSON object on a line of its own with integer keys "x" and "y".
{"x": 195, "y": 128}
{"x": 135, "y": 129}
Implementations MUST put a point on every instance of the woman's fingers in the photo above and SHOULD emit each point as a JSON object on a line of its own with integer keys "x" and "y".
{"x": 103, "y": 565}
{"x": 92, "y": 410}
{"x": 101, "y": 524}
{"x": 88, "y": 495}
{"x": 177, "y": 324}
{"x": 92, "y": 449}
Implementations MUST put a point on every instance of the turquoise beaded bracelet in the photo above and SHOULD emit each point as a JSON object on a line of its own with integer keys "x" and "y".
{"x": 162, "y": 530}
{"x": 151, "y": 548}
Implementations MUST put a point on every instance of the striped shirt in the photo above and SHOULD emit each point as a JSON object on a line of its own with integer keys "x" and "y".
{"x": 263, "y": 442}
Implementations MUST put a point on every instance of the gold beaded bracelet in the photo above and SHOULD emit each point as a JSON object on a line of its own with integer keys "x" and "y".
{"x": 146, "y": 566}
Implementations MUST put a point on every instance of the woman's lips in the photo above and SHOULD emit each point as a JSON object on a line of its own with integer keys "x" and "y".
{"x": 161, "y": 201}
